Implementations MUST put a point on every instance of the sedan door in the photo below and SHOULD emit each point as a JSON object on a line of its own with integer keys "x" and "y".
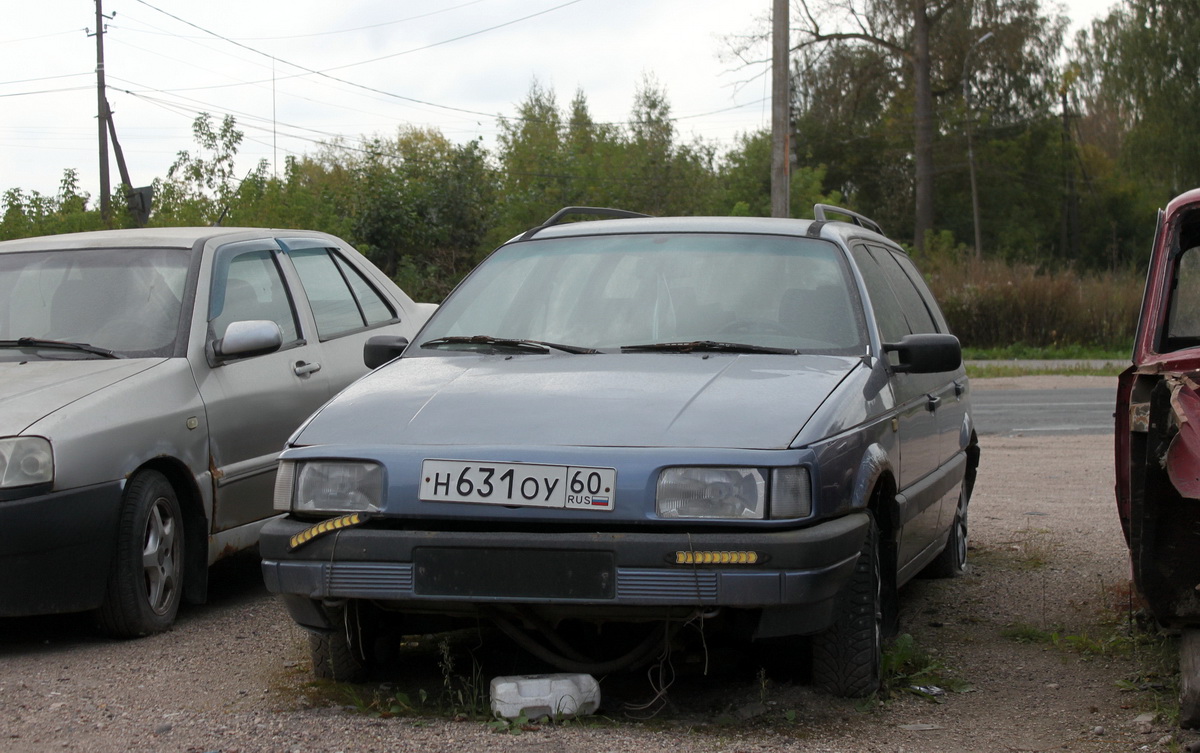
{"x": 348, "y": 305}
{"x": 254, "y": 403}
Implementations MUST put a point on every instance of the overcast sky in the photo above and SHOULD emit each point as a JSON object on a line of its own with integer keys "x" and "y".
{"x": 454, "y": 65}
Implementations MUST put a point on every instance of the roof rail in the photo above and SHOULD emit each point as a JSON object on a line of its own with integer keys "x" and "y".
{"x": 557, "y": 217}
{"x": 862, "y": 221}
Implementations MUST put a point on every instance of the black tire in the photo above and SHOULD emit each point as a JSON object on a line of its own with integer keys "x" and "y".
{"x": 952, "y": 561}
{"x": 847, "y": 657}
{"x": 1189, "y": 678}
{"x": 146, "y": 581}
{"x": 334, "y": 655}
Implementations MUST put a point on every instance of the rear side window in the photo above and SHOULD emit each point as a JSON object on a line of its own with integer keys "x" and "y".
{"x": 341, "y": 299}
{"x": 903, "y": 303}
{"x": 889, "y": 314}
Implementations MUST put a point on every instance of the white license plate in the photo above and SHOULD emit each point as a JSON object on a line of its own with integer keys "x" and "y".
{"x": 524, "y": 484}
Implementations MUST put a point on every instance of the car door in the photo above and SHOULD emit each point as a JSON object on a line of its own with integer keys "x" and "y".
{"x": 917, "y": 398}
{"x": 951, "y": 393}
{"x": 253, "y": 404}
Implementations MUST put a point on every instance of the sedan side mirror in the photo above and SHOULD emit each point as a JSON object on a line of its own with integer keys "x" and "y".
{"x": 249, "y": 338}
{"x": 383, "y": 348}
{"x": 926, "y": 354}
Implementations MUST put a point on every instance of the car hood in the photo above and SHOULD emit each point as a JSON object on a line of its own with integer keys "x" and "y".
{"x": 614, "y": 400}
{"x": 31, "y": 390}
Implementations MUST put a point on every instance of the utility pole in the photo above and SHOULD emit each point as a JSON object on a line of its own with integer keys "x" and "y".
{"x": 780, "y": 112}
{"x": 102, "y": 115}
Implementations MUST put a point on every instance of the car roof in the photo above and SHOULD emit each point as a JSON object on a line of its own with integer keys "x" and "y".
{"x": 834, "y": 230}
{"x": 177, "y": 237}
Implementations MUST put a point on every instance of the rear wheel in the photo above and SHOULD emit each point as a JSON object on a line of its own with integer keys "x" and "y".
{"x": 146, "y": 582}
{"x": 952, "y": 561}
{"x": 847, "y": 656}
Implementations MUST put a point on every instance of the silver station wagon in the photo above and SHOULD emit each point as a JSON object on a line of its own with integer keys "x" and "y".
{"x": 148, "y": 380}
{"x": 761, "y": 424}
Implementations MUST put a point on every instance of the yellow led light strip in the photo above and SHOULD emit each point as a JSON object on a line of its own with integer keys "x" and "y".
{"x": 716, "y": 558}
{"x": 324, "y": 527}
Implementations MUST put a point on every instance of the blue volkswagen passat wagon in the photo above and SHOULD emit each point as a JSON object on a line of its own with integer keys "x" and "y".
{"x": 761, "y": 424}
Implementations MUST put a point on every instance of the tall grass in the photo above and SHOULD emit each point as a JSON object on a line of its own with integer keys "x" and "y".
{"x": 994, "y": 304}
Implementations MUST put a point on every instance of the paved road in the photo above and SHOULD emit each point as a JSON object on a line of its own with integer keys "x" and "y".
{"x": 1044, "y": 412}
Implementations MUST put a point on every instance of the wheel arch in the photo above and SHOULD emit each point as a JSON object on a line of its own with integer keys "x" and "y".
{"x": 195, "y": 577}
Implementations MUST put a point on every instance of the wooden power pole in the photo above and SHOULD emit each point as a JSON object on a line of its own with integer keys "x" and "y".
{"x": 780, "y": 112}
{"x": 102, "y": 115}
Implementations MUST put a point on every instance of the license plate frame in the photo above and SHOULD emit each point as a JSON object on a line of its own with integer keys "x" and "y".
{"x": 548, "y": 485}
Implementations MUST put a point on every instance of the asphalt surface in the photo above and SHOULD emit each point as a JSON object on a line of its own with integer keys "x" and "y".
{"x": 1044, "y": 412}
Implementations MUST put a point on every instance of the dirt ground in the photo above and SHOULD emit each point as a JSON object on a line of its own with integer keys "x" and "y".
{"x": 1033, "y": 647}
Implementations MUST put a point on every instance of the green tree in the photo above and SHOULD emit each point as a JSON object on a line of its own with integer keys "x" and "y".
{"x": 877, "y": 86}
{"x": 1140, "y": 90}
{"x": 201, "y": 188}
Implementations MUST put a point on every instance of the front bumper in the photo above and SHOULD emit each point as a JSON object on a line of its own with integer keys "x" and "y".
{"x": 593, "y": 573}
{"x": 56, "y": 550}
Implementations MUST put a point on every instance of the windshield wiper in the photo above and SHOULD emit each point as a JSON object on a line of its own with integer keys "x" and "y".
{"x": 36, "y": 342}
{"x": 704, "y": 346}
{"x": 527, "y": 346}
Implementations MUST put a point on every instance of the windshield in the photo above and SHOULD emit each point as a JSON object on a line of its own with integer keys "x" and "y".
{"x": 609, "y": 292}
{"x": 123, "y": 300}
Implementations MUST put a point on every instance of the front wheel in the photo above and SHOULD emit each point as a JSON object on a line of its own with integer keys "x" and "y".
{"x": 342, "y": 653}
{"x": 847, "y": 657}
{"x": 146, "y": 582}
{"x": 1189, "y": 678}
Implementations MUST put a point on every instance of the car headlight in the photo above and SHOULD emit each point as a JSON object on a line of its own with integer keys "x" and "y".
{"x": 332, "y": 486}
{"x": 733, "y": 493}
{"x": 25, "y": 461}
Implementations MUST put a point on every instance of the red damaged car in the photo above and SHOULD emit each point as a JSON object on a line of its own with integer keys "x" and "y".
{"x": 1158, "y": 440}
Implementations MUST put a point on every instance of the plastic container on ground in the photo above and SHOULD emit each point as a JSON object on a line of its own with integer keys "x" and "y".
{"x": 556, "y": 696}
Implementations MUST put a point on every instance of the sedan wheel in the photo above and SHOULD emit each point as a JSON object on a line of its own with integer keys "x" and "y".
{"x": 146, "y": 583}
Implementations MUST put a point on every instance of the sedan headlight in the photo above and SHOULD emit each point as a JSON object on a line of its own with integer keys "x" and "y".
{"x": 733, "y": 493}
{"x": 332, "y": 486}
{"x": 25, "y": 461}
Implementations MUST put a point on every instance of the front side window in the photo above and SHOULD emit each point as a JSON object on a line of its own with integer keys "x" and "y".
{"x": 1183, "y": 322}
{"x": 250, "y": 287}
{"x": 127, "y": 300}
{"x": 610, "y": 291}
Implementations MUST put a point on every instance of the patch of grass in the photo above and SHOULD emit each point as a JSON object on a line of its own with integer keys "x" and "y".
{"x": 1020, "y": 352}
{"x": 907, "y": 668}
{"x": 992, "y": 371}
{"x": 1153, "y": 652}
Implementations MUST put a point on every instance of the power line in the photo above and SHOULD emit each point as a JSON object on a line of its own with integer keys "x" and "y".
{"x": 325, "y": 74}
{"x": 335, "y": 31}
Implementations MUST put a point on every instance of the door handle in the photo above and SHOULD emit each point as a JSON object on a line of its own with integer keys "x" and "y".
{"x": 932, "y": 405}
{"x": 959, "y": 387}
{"x": 304, "y": 369}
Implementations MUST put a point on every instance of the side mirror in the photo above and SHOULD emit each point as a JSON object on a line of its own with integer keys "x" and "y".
{"x": 249, "y": 338}
{"x": 383, "y": 348}
{"x": 926, "y": 354}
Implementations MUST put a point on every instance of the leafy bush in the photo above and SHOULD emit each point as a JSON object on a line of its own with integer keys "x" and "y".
{"x": 993, "y": 304}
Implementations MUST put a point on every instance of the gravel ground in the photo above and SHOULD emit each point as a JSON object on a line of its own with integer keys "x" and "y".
{"x": 1047, "y": 558}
